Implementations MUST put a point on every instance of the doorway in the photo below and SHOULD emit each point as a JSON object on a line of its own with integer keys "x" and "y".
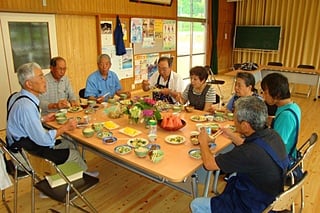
{"x": 23, "y": 38}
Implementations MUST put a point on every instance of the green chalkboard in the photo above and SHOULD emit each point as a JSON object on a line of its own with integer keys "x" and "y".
{"x": 257, "y": 37}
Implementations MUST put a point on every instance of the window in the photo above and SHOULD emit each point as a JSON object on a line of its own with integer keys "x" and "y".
{"x": 191, "y": 42}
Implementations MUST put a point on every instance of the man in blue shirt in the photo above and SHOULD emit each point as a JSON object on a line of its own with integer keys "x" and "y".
{"x": 104, "y": 83}
{"x": 24, "y": 125}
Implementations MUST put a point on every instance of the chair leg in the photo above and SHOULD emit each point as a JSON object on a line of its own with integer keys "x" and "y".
{"x": 3, "y": 192}
{"x": 215, "y": 182}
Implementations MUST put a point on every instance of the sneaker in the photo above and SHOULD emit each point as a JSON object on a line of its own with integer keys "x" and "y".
{"x": 92, "y": 174}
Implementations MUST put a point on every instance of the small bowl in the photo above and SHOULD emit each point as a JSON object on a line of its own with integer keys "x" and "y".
{"x": 209, "y": 117}
{"x": 194, "y": 137}
{"x": 123, "y": 96}
{"x": 88, "y": 132}
{"x": 97, "y": 126}
{"x": 156, "y": 155}
{"x": 63, "y": 111}
{"x": 189, "y": 108}
{"x": 91, "y": 102}
{"x": 141, "y": 151}
{"x": 109, "y": 140}
{"x": 230, "y": 116}
{"x": 219, "y": 112}
{"x": 60, "y": 114}
{"x": 111, "y": 100}
{"x": 177, "y": 108}
{"x": 61, "y": 120}
{"x": 104, "y": 134}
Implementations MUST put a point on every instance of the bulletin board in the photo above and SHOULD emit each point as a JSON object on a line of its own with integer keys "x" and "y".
{"x": 152, "y": 35}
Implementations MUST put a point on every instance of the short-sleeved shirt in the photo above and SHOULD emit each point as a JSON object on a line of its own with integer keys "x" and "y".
{"x": 97, "y": 86}
{"x": 251, "y": 160}
{"x": 175, "y": 82}
{"x": 286, "y": 125}
{"x": 210, "y": 96}
{"x": 230, "y": 104}
{"x": 56, "y": 90}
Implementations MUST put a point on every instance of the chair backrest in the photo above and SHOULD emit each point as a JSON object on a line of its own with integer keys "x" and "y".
{"x": 304, "y": 150}
{"x": 286, "y": 198}
{"x": 274, "y": 63}
{"x": 81, "y": 92}
{"x": 306, "y": 66}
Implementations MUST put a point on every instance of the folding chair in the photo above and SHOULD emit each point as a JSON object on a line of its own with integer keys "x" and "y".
{"x": 213, "y": 80}
{"x": 66, "y": 193}
{"x": 17, "y": 170}
{"x": 285, "y": 200}
{"x": 303, "y": 152}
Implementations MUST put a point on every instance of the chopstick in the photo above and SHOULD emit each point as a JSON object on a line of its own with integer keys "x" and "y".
{"x": 215, "y": 135}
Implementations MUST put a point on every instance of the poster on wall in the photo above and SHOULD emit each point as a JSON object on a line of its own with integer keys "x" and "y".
{"x": 122, "y": 65}
{"x": 148, "y": 33}
{"x": 106, "y": 33}
{"x": 136, "y": 30}
{"x": 158, "y": 29}
{"x": 169, "y": 35}
{"x": 144, "y": 66}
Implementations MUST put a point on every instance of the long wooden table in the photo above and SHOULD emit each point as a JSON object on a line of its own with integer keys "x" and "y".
{"x": 176, "y": 166}
{"x": 295, "y": 75}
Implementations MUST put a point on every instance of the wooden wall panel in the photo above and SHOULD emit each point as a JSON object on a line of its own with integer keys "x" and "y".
{"x": 77, "y": 43}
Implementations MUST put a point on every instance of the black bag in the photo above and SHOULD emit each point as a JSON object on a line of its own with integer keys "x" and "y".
{"x": 297, "y": 172}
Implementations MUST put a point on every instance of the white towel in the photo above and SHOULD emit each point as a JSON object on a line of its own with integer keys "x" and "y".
{"x": 4, "y": 177}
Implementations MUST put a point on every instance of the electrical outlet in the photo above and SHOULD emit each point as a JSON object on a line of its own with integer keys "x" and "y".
{"x": 133, "y": 86}
{"x": 225, "y": 36}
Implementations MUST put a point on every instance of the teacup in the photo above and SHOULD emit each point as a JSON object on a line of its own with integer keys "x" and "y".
{"x": 194, "y": 137}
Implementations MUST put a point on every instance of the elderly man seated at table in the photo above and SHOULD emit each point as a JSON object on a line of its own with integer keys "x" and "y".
{"x": 104, "y": 83}
{"x": 166, "y": 82}
{"x": 260, "y": 163}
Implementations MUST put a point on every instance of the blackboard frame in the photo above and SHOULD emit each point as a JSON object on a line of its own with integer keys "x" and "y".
{"x": 257, "y": 37}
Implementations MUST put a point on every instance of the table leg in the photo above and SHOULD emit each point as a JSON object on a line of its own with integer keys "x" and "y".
{"x": 317, "y": 90}
{"x": 207, "y": 183}
{"x": 194, "y": 183}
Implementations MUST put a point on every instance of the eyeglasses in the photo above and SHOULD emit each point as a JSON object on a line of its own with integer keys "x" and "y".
{"x": 163, "y": 68}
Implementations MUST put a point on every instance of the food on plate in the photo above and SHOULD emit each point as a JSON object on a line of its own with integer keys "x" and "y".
{"x": 198, "y": 118}
{"x": 137, "y": 142}
{"x": 175, "y": 139}
{"x": 75, "y": 109}
{"x": 171, "y": 122}
{"x": 103, "y": 134}
{"x": 110, "y": 125}
{"x": 123, "y": 149}
{"x": 195, "y": 153}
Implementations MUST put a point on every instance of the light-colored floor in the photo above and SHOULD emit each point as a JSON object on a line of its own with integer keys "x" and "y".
{"x": 120, "y": 190}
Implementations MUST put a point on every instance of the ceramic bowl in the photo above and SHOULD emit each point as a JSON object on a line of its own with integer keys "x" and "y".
{"x": 177, "y": 108}
{"x": 141, "y": 151}
{"x": 219, "y": 112}
{"x": 88, "y": 132}
{"x": 61, "y": 119}
{"x": 189, "y": 108}
{"x": 123, "y": 96}
{"x": 92, "y": 102}
{"x": 60, "y": 114}
{"x": 97, "y": 126}
{"x": 111, "y": 100}
{"x": 156, "y": 155}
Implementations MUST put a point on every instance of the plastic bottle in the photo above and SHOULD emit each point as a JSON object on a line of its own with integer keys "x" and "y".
{"x": 152, "y": 131}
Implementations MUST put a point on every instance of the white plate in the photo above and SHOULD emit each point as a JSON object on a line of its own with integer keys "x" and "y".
{"x": 198, "y": 118}
{"x": 137, "y": 142}
{"x": 219, "y": 119}
{"x": 130, "y": 131}
{"x": 75, "y": 109}
{"x": 195, "y": 153}
{"x": 111, "y": 125}
{"x": 123, "y": 149}
{"x": 175, "y": 139}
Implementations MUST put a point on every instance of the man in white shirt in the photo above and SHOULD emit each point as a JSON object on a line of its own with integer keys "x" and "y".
{"x": 168, "y": 82}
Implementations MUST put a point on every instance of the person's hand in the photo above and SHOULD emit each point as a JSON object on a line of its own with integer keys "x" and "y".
{"x": 128, "y": 94}
{"x": 63, "y": 104}
{"x": 212, "y": 108}
{"x": 145, "y": 85}
{"x": 74, "y": 103}
{"x": 165, "y": 91}
{"x": 71, "y": 124}
{"x": 49, "y": 117}
{"x": 100, "y": 99}
{"x": 203, "y": 137}
{"x": 227, "y": 131}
